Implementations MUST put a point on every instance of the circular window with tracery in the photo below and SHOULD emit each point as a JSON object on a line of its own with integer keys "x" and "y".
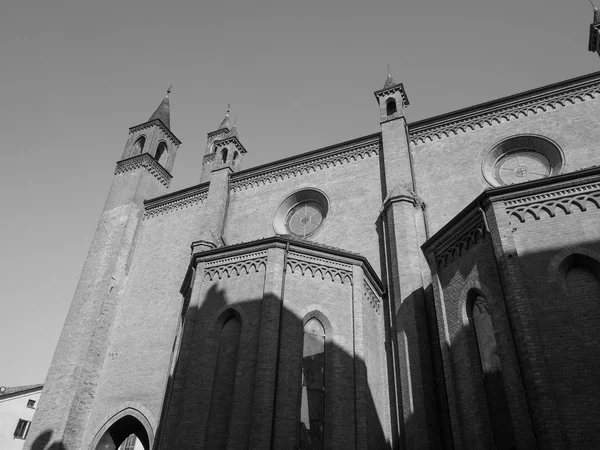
{"x": 522, "y": 158}
{"x": 302, "y": 213}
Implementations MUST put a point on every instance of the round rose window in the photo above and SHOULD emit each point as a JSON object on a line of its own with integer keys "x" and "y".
{"x": 302, "y": 213}
{"x": 522, "y": 158}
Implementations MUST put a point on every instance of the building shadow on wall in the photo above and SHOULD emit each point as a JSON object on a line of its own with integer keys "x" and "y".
{"x": 514, "y": 371}
{"x": 225, "y": 391}
{"x": 44, "y": 442}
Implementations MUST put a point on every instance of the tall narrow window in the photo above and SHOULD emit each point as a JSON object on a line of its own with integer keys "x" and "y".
{"x": 313, "y": 386}
{"x": 161, "y": 154}
{"x": 492, "y": 375}
{"x": 390, "y": 107}
{"x": 138, "y": 147}
{"x": 224, "y": 155}
{"x": 221, "y": 404}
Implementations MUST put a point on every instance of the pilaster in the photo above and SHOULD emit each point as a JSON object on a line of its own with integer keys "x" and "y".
{"x": 215, "y": 211}
{"x": 268, "y": 346}
{"x": 544, "y": 411}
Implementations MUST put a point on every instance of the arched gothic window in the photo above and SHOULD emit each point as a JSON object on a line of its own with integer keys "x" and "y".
{"x": 221, "y": 404}
{"x": 162, "y": 154}
{"x": 138, "y": 147}
{"x": 391, "y": 107}
{"x": 235, "y": 155}
{"x": 224, "y": 155}
{"x": 313, "y": 386}
{"x": 492, "y": 374}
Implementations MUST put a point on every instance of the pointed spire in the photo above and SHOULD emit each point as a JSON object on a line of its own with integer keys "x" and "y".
{"x": 163, "y": 112}
{"x": 225, "y": 123}
{"x": 389, "y": 82}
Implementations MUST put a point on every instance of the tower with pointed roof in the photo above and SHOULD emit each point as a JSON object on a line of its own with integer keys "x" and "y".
{"x": 223, "y": 149}
{"x": 402, "y": 217}
{"x": 82, "y": 351}
{"x": 594, "y": 38}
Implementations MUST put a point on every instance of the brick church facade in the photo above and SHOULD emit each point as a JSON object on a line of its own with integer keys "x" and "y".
{"x": 431, "y": 286}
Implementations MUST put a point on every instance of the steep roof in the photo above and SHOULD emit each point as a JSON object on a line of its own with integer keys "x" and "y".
{"x": 389, "y": 82}
{"x": 163, "y": 112}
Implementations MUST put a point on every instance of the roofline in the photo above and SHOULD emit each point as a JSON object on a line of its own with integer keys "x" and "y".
{"x": 28, "y": 390}
{"x": 303, "y": 156}
{"x": 287, "y": 242}
{"x": 263, "y": 168}
{"x": 512, "y": 191}
{"x": 424, "y": 124}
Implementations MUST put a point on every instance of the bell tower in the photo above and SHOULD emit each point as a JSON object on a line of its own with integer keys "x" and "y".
{"x": 594, "y": 38}
{"x": 223, "y": 149}
{"x": 71, "y": 385}
{"x": 223, "y": 156}
{"x": 402, "y": 216}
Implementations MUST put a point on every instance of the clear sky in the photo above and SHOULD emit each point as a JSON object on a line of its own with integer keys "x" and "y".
{"x": 75, "y": 75}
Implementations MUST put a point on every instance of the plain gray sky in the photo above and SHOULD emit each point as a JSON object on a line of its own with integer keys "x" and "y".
{"x": 76, "y": 74}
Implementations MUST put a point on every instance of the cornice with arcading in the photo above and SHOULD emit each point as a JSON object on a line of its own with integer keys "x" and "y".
{"x": 460, "y": 238}
{"x": 319, "y": 267}
{"x": 300, "y": 168}
{"x": 147, "y": 162}
{"x": 370, "y": 296}
{"x": 480, "y": 117}
{"x": 159, "y": 124}
{"x": 175, "y": 204}
{"x": 549, "y": 204}
{"x": 235, "y": 266}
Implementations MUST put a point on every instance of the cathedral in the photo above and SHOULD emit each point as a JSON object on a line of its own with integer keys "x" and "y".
{"x": 434, "y": 285}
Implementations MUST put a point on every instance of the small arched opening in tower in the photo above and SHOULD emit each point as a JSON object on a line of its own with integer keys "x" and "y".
{"x": 224, "y": 155}
{"x": 162, "y": 154}
{"x": 235, "y": 155}
{"x": 138, "y": 147}
{"x": 390, "y": 107}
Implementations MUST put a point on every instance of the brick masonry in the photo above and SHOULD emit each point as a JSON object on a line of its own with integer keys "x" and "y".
{"x": 413, "y": 232}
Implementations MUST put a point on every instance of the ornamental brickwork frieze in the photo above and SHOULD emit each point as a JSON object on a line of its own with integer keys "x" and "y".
{"x": 370, "y": 296}
{"x": 460, "y": 238}
{"x": 301, "y": 168}
{"x": 549, "y": 204}
{"x": 324, "y": 269}
{"x": 175, "y": 204}
{"x": 496, "y": 114}
{"x": 235, "y": 266}
{"x": 146, "y": 162}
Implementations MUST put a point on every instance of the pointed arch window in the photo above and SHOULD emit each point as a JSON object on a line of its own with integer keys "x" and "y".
{"x": 162, "y": 154}
{"x": 224, "y": 155}
{"x": 138, "y": 147}
{"x": 491, "y": 368}
{"x": 390, "y": 107}
{"x": 221, "y": 404}
{"x": 313, "y": 386}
